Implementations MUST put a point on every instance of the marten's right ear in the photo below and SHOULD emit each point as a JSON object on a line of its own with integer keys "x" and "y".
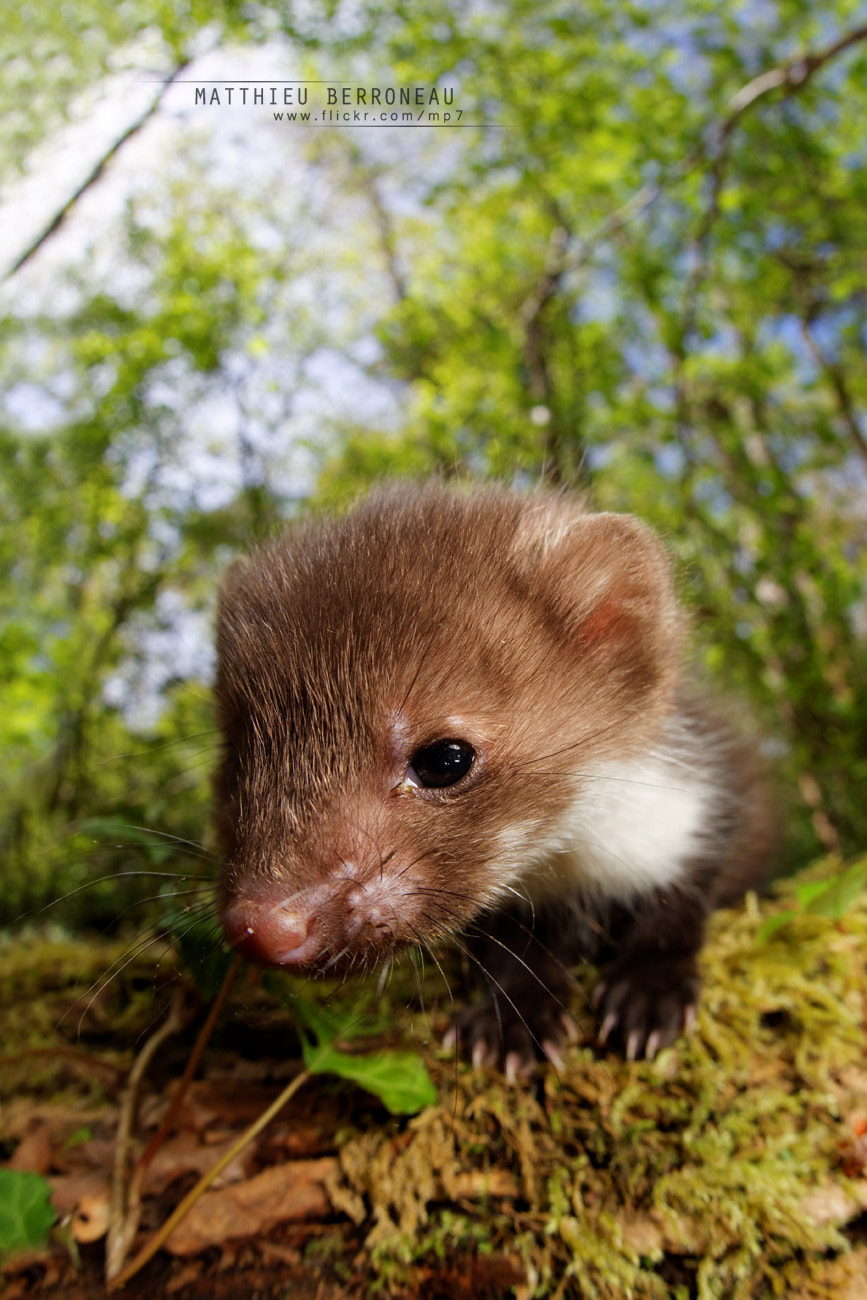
{"x": 606, "y": 586}
{"x": 612, "y": 584}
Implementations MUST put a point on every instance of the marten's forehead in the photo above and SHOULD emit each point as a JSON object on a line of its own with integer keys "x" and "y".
{"x": 325, "y": 680}
{"x": 328, "y": 660}
{"x": 331, "y": 619}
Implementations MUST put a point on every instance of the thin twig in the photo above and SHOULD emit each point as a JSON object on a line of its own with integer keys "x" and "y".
{"x": 192, "y": 1065}
{"x": 94, "y": 175}
{"x": 793, "y": 75}
{"x": 836, "y": 378}
{"x": 126, "y": 1193}
{"x": 205, "y": 1181}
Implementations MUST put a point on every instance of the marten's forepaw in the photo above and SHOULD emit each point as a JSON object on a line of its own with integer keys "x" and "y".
{"x": 645, "y": 1005}
{"x": 514, "y": 1036}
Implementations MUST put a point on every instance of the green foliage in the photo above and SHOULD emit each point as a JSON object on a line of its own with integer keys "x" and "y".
{"x": 26, "y": 1212}
{"x": 399, "y": 1079}
{"x": 832, "y": 896}
{"x": 55, "y": 57}
{"x": 85, "y": 557}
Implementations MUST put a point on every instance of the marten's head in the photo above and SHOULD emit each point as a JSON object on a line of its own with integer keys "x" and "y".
{"x": 409, "y": 698}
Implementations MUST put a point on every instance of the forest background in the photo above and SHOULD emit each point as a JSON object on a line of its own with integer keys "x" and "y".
{"x": 636, "y": 266}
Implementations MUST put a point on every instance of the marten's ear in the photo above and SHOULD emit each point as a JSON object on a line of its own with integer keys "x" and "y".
{"x": 617, "y": 582}
{"x": 606, "y": 581}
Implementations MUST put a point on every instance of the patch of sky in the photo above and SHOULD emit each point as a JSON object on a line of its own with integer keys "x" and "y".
{"x": 722, "y": 342}
{"x": 351, "y": 392}
{"x": 670, "y": 460}
{"x": 649, "y": 361}
{"x": 714, "y": 495}
{"x": 33, "y": 408}
{"x": 828, "y": 327}
{"x": 348, "y": 19}
{"x": 693, "y": 36}
{"x": 671, "y": 38}
{"x": 599, "y": 456}
{"x": 170, "y": 644}
{"x": 599, "y": 299}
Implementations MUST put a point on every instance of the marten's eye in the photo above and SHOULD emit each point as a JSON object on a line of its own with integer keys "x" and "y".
{"x": 441, "y": 764}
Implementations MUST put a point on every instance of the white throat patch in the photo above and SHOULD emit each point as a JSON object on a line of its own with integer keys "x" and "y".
{"x": 632, "y": 828}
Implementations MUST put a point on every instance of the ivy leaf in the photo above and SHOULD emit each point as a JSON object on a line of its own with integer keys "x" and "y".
{"x": 808, "y": 893}
{"x": 26, "y": 1212}
{"x": 839, "y": 893}
{"x": 774, "y": 923}
{"x": 831, "y": 898}
{"x": 398, "y": 1078}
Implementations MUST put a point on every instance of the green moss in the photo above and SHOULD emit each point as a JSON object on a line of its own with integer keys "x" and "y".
{"x": 714, "y": 1171}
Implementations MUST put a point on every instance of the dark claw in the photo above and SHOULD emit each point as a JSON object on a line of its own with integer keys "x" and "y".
{"x": 646, "y": 1005}
{"x": 515, "y": 1037}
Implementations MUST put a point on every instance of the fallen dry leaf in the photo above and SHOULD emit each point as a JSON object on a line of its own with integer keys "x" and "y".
{"x": 185, "y": 1154}
{"x": 35, "y": 1150}
{"x": 652, "y": 1233}
{"x": 277, "y": 1195}
{"x": 832, "y": 1204}
{"x": 20, "y": 1116}
{"x": 186, "y": 1277}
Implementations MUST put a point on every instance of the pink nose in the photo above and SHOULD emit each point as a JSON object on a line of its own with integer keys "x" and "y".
{"x": 276, "y": 934}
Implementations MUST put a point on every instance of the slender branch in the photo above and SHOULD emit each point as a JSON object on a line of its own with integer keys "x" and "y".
{"x": 641, "y": 200}
{"x": 836, "y": 378}
{"x": 126, "y": 1199}
{"x": 793, "y": 75}
{"x": 60, "y": 216}
{"x": 385, "y": 230}
{"x": 537, "y": 341}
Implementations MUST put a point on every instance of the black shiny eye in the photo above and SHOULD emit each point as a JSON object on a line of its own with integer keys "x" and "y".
{"x": 442, "y": 764}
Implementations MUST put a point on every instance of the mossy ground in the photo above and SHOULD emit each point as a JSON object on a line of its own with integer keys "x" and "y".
{"x": 731, "y": 1166}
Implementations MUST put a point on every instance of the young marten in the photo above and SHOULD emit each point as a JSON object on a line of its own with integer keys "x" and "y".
{"x": 464, "y": 713}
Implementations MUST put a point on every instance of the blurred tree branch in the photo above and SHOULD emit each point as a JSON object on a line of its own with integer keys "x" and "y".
{"x": 93, "y": 176}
